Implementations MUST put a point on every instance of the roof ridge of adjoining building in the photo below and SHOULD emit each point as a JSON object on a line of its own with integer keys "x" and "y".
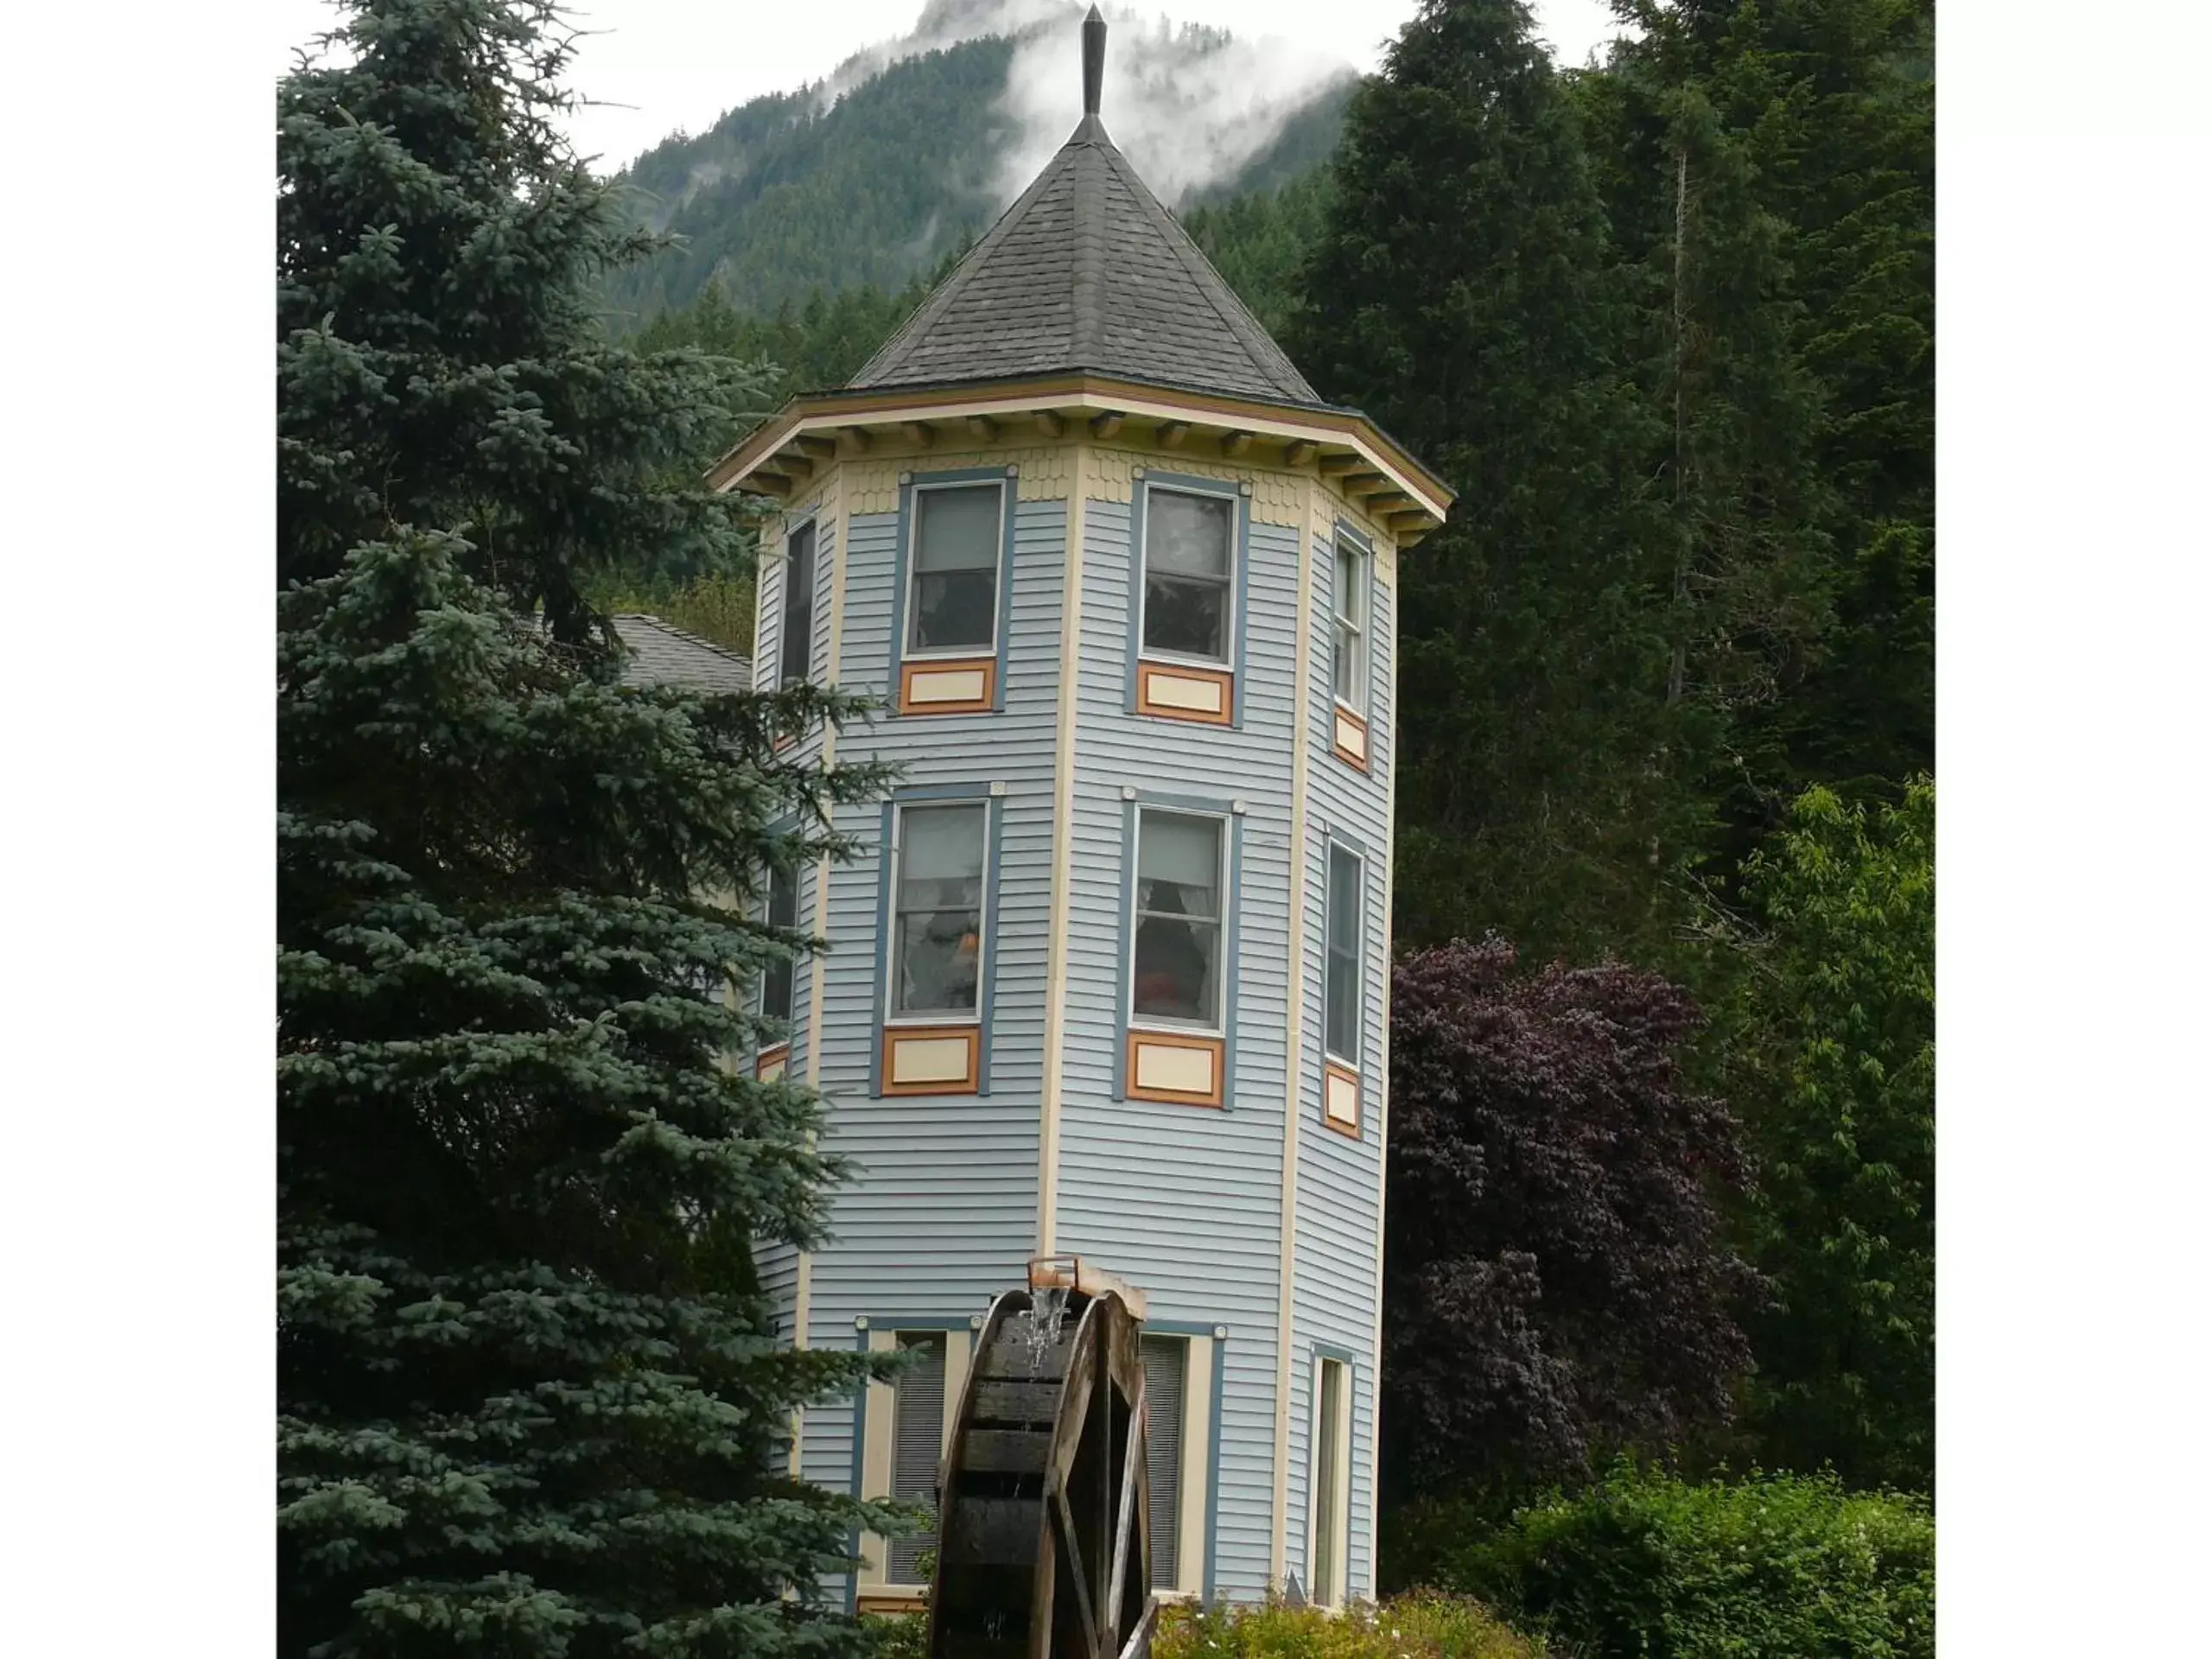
{"x": 683, "y": 633}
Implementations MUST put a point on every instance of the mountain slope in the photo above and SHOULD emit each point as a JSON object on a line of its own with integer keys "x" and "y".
{"x": 797, "y": 192}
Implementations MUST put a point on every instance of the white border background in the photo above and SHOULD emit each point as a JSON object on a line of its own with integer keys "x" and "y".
{"x": 135, "y": 1188}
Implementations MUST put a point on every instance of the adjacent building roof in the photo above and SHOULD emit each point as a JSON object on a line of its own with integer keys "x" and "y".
{"x": 1088, "y": 272}
{"x": 663, "y": 654}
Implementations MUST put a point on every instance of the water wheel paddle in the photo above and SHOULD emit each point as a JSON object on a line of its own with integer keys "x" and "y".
{"x": 1044, "y": 1549}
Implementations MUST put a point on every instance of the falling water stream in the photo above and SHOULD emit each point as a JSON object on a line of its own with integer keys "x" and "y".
{"x": 1047, "y": 1311}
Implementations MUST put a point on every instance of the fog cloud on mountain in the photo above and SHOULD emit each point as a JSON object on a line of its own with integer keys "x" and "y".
{"x": 1189, "y": 105}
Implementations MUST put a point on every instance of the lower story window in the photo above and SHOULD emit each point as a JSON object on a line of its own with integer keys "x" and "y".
{"x": 917, "y": 1438}
{"x": 1167, "y": 1366}
{"x": 1331, "y": 1480}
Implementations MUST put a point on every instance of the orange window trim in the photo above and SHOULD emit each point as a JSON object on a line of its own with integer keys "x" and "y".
{"x": 1339, "y": 713}
{"x": 1148, "y": 671}
{"x": 987, "y": 666}
{"x": 965, "y": 1084}
{"x": 1330, "y": 1071}
{"x": 1214, "y": 1046}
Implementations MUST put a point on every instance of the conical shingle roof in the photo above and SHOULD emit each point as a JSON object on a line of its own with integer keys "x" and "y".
{"x": 1088, "y": 272}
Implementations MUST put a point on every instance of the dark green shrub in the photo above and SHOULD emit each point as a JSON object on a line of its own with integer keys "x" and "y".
{"x": 1776, "y": 1567}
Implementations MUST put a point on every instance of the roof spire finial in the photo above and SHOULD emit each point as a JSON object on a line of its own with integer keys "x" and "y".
{"x": 1094, "y": 59}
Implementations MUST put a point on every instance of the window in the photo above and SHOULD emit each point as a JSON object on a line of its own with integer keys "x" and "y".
{"x": 1348, "y": 664}
{"x": 1175, "y": 971}
{"x": 952, "y": 605}
{"x": 917, "y": 1440}
{"x": 1188, "y": 559}
{"x": 936, "y": 931}
{"x": 1166, "y": 1363}
{"x": 783, "y": 912}
{"x": 1331, "y": 1468}
{"x": 1341, "y": 995}
{"x": 798, "y": 603}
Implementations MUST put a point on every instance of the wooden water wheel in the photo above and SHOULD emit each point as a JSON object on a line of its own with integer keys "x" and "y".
{"x": 1043, "y": 1546}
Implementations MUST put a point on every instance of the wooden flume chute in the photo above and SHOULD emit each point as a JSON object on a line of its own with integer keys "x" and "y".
{"x": 1044, "y": 1549}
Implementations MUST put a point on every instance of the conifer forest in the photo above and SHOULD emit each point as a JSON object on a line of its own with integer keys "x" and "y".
{"x": 1659, "y": 1258}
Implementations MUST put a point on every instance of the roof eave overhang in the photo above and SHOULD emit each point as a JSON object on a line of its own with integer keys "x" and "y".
{"x": 769, "y": 460}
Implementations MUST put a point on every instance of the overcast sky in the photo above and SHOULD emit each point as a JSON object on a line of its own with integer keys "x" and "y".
{"x": 656, "y": 65}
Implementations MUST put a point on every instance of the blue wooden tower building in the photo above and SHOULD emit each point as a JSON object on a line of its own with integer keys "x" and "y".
{"x": 1114, "y": 981}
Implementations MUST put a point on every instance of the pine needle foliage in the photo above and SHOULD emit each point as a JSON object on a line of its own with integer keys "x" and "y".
{"x": 1462, "y": 292}
{"x": 529, "y": 1400}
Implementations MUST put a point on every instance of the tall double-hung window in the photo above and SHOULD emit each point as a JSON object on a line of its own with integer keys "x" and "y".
{"x": 795, "y": 647}
{"x": 1179, "y": 931}
{"x": 1186, "y": 603}
{"x": 935, "y": 953}
{"x": 1352, "y": 654}
{"x": 1176, "y": 965}
{"x": 776, "y": 979}
{"x": 951, "y": 602}
{"x": 1343, "y": 988}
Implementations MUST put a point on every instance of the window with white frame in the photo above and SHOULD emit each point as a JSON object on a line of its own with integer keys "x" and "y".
{"x": 798, "y": 643}
{"x": 1331, "y": 1485}
{"x": 1190, "y": 556}
{"x": 1176, "y": 948}
{"x": 937, "y": 924}
{"x": 782, "y": 912}
{"x": 1341, "y": 994}
{"x": 952, "y": 598}
{"x": 917, "y": 1438}
{"x": 1349, "y": 659}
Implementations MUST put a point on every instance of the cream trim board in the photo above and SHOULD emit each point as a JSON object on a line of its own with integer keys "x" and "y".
{"x": 928, "y": 1059}
{"x": 1387, "y": 574}
{"x": 928, "y": 685}
{"x": 1174, "y": 691}
{"x": 1200, "y": 1359}
{"x": 1349, "y": 734}
{"x": 876, "y": 1455}
{"x": 1184, "y": 1068}
{"x": 1340, "y": 1095}
{"x": 1293, "y": 1073}
{"x": 1056, "y": 936}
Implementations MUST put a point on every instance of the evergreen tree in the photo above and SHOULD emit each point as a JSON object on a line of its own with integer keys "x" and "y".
{"x": 528, "y": 1401}
{"x": 1257, "y": 241}
{"x": 1814, "y": 123}
{"x": 1464, "y": 292}
{"x": 1840, "y": 1056}
{"x": 441, "y": 359}
{"x": 1743, "y": 505}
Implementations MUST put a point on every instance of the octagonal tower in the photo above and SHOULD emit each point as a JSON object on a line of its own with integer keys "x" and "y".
{"x": 1113, "y": 981}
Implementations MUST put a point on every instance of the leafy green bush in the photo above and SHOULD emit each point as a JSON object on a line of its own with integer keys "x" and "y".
{"x": 1646, "y": 1565}
{"x": 898, "y": 1636}
{"x": 1424, "y": 1625}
